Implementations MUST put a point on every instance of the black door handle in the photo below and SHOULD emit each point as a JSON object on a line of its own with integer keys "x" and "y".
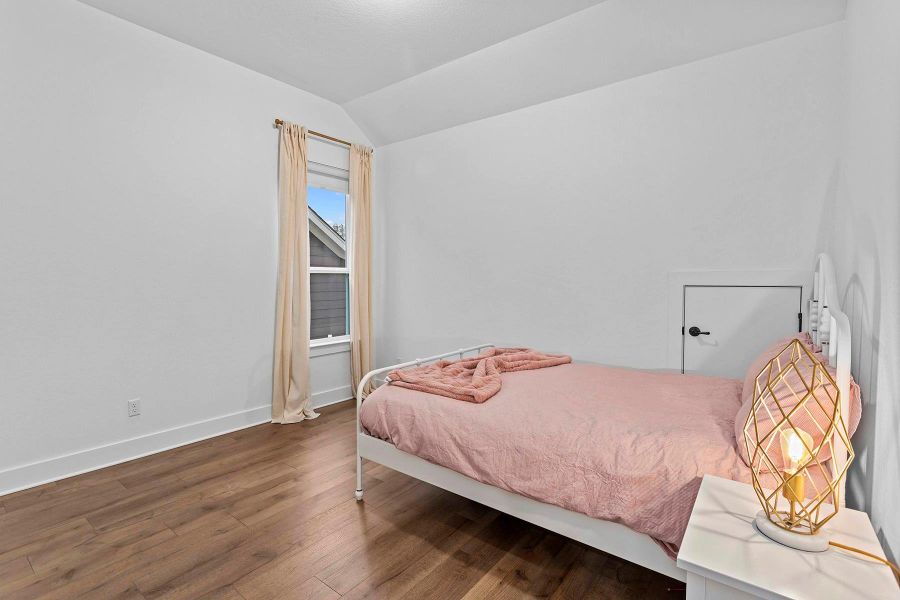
{"x": 695, "y": 331}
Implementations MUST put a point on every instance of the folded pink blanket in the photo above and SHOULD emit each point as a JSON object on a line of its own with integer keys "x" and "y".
{"x": 473, "y": 379}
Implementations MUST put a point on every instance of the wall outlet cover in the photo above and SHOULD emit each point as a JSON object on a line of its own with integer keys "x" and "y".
{"x": 134, "y": 407}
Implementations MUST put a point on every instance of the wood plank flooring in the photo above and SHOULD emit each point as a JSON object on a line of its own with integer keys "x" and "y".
{"x": 268, "y": 512}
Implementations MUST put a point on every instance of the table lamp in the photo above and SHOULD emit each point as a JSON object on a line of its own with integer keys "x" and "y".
{"x": 794, "y": 429}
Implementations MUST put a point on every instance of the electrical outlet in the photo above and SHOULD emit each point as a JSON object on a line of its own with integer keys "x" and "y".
{"x": 134, "y": 407}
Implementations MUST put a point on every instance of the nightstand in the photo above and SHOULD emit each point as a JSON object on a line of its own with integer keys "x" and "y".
{"x": 726, "y": 558}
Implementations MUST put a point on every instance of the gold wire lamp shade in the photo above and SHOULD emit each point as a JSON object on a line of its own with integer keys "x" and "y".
{"x": 795, "y": 435}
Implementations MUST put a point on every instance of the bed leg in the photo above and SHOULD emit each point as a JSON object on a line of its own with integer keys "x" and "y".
{"x": 359, "y": 483}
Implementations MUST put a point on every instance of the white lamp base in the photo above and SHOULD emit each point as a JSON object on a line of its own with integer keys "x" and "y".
{"x": 807, "y": 543}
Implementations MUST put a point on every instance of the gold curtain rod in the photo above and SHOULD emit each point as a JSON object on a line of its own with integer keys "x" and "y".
{"x": 279, "y": 123}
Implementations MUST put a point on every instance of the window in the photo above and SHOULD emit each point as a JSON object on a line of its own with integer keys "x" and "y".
{"x": 329, "y": 267}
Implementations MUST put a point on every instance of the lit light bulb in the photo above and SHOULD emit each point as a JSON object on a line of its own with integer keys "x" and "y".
{"x": 794, "y": 444}
{"x": 794, "y": 449}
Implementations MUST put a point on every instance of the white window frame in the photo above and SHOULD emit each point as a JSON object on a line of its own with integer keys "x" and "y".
{"x": 337, "y": 180}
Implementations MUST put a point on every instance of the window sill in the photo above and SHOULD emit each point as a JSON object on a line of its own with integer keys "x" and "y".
{"x": 335, "y": 345}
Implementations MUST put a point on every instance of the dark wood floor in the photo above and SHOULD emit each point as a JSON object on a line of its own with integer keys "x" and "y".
{"x": 268, "y": 512}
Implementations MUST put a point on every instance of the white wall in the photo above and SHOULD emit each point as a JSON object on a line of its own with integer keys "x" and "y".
{"x": 555, "y": 226}
{"x": 137, "y": 238}
{"x": 861, "y": 233}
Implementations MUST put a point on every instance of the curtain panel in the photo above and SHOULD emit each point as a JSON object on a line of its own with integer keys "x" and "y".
{"x": 290, "y": 385}
{"x": 361, "y": 263}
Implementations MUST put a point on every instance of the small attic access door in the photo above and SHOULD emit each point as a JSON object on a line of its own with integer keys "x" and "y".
{"x": 725, "y": 327}
{"x": 736, "y": 315}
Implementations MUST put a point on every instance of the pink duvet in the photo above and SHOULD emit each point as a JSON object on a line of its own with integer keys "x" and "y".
{"x": 615, "y": 444}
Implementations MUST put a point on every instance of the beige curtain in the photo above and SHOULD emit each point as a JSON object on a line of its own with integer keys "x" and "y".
{"x": 290, "y": 388}
{"x": 361, "y": 261}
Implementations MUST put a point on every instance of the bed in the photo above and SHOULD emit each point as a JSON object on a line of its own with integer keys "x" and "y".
{"x": 607, "y": 456}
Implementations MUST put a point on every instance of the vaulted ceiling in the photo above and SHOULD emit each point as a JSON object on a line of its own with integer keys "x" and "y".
{"x": 340, "y": 49}
{"x": 403, "y": 68}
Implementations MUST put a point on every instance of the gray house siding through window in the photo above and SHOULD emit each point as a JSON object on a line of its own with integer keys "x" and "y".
{"x": 320, "y": 255}
{"x": 328, "y": 306}
{"x": 329, "y": 293}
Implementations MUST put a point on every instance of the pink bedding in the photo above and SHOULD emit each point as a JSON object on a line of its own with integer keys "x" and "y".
{"x": 615, "y": 444}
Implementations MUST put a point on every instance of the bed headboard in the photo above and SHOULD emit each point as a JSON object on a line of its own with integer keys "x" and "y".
{"x": 830, "y": 329}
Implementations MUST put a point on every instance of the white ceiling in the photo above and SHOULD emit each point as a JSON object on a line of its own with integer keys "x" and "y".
{"x": 340, "y": 49}
{"x": 604, "y": 44}
{"x": 404, "y": 68}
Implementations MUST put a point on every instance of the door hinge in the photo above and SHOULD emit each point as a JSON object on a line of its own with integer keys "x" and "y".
{"x": 799, "y": 322}
{"x": 682, "y": 330}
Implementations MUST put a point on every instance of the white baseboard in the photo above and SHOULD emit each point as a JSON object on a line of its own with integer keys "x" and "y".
{"x": 82, "y": 461}
{"x": 332, "y": 396}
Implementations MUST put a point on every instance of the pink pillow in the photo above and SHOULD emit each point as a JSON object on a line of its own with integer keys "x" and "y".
{"x": 813, "y": 423}
{"x": 750, "y": 378}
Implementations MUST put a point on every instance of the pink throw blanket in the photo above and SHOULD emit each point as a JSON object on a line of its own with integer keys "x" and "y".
{"x": 474, "y": 379}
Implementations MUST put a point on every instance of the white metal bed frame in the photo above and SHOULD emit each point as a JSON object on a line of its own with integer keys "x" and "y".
{"x": 828, "y": 326}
